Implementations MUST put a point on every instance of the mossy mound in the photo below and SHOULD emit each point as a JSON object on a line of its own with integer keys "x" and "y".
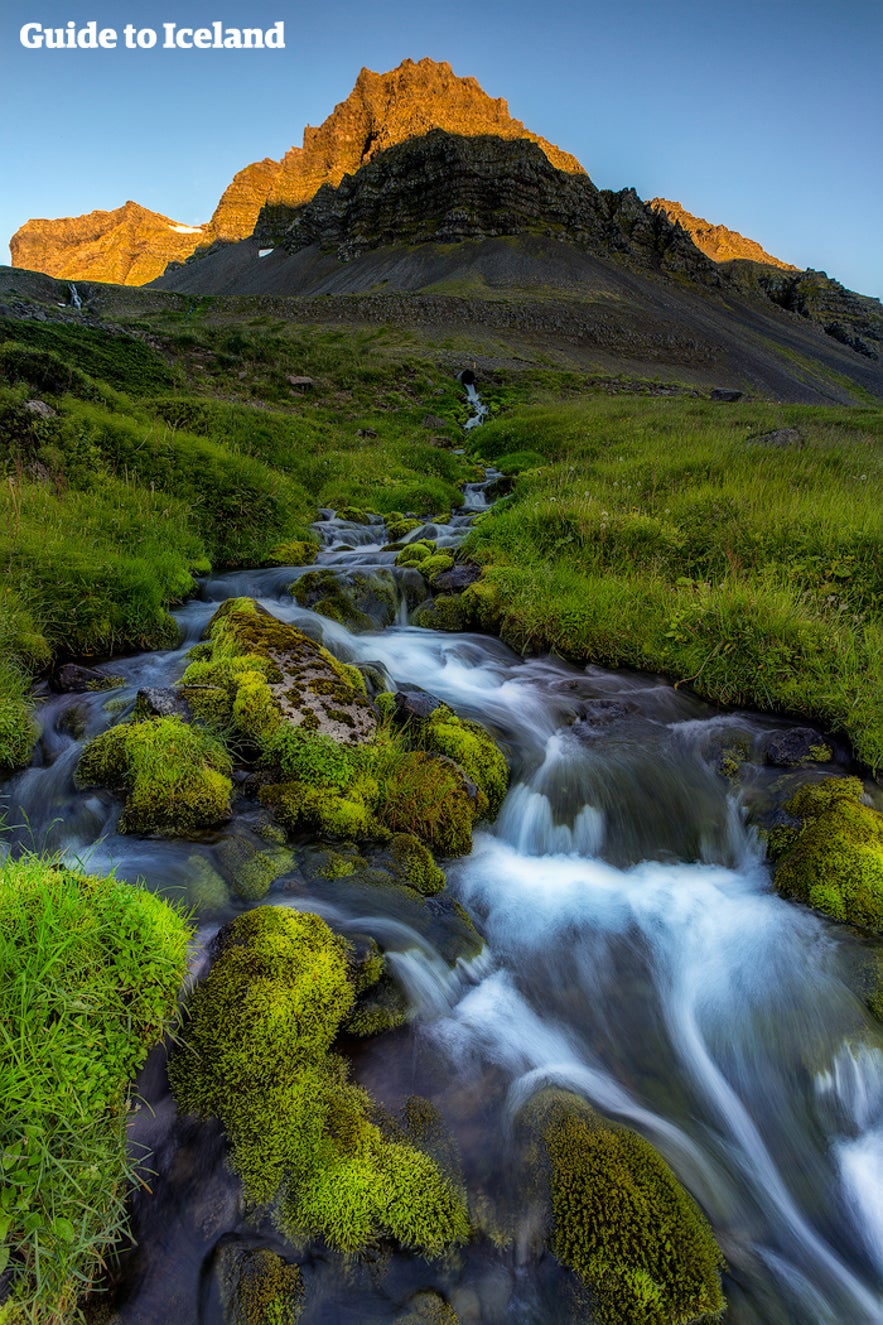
{"x": 833, "y": 858}
{"x": 413, "y": 554}
{"x": 296, "y": 552}
{"x": 361, "y": 600}
{"x": 428, "y": 1308}
{"x": 435, "y": 565}
{"x": 399, "y": 526}
{"x": 251, "y": 869}
{"x": 622, "y": 1222}
{"x": 257, "y": 1054}
{"x": 446, "y": 612}
{"x": 467, "y": 743}
{"x": 258, "y": 672}
{"x": 258, "y": 1287}
{"x": 415, "y": 863}
{"x": 175, "y": 778}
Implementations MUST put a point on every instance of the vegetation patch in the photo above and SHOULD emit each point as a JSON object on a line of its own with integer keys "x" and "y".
{"x": 655, "y": 538}
{"x": 174, "y": 777}
{"x": 258, "y": 1054}
{"x": 89, "y": 974}
{"x": 622, "y": 1222}
{"x": 833, "y": 858}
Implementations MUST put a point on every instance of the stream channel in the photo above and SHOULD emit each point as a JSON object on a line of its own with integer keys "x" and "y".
{"x": 636, "y": 954}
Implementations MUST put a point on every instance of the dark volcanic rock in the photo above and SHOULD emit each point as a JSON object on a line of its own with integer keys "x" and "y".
{"x": 414, "y": 704}
{"x": 798, "y": 745}
{"x": 457, "y": 579}
{"x": 444, "y": 187}
{"x": 73, "y": 679}
{"x": 725, "y": 393}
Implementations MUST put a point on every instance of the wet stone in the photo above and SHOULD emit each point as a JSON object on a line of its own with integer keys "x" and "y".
{"x": 73, "y": 679}
{"x": 161, "y": 702}
{"x": 457, "y": 579}
{"x": 798, "y": 745}
{"x": 414, "y": 704}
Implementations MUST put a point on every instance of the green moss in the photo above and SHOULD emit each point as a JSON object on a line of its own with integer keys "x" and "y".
{"x": 436, "y": 565}
{"x": 322, "y": 591}
{"x": 834, "y": 860}
{"x": 416, "y": 864}
{"x": 382, "y": 1008}
{"x": 470, "y": 746}
{"x": 250, "y": 869}
{"x": 415, "y": 553}
{"x": 259, "y": 1287}
{"x": 296, "y": 552}
{"x": 175, "y": 778}
{"x": 90, "y": 970}
{"x": 399, "y": 527}
{"x": 446, "y": 612}
{"x": 428, "y": 1308}
{"x": 206, "y": 890}
{"x": 427, "y": 797}
{"x": 257, "y": 1055}
{"x": 622, "y": 1222}
{"x": 18, "y": 731}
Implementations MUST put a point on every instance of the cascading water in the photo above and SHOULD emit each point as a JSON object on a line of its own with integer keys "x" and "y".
{"x": 636, "y": 954}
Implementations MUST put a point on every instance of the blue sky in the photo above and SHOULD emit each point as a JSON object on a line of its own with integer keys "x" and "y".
{"x": 766, "y": 116}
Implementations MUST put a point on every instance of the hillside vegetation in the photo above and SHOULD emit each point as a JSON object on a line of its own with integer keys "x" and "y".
{"x": 733, "y": 547}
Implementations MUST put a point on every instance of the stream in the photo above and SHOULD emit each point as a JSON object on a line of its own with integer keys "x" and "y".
{"x": 636, "y": 954}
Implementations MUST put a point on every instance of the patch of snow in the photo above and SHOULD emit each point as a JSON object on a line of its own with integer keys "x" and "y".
{"x": 264, "y": 252}
{"x": 186, "y": 229}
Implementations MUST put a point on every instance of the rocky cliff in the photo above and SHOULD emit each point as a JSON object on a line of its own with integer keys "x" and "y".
{"x": 444, "y": 188}
{"x": 128, "y": 246}
{"x": 716, "y": 241}
{"x": 132, "y": 245}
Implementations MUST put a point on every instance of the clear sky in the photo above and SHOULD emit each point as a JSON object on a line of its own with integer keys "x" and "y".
{"x": 764, "y": 115}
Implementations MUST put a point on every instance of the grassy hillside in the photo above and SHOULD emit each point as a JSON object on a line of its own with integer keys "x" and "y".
{"x": 733, "y": 547}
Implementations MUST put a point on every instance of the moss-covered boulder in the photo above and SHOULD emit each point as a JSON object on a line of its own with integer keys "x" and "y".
{"x": 832, "y": 856}
{"x": 258, "y": 1287}
{"x": 257, "y": 1054}
{"x": 296, "y": 552}
{"x": 174, "y": 777}
{"x": 621, "y": 1220}
{"x": 414, "y": 554}
{"x": 258, "y": 673}
{"x": 467, "y": 743}
{"x": 361, "y": 600}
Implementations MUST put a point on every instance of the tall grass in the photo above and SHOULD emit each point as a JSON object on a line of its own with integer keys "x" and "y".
{"x": 677, "y": 536}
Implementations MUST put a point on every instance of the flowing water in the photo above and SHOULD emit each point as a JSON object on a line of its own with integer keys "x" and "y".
{"x": 635, "y": 953}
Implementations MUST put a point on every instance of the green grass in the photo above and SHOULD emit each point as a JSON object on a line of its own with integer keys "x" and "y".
{"x": 659, "y": 535}
{"x": 89, "y": 973}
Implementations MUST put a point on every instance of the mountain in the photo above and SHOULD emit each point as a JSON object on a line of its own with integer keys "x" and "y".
{"x": 128, "y": 246}
{"x": 716, "y": 241}
{"x": 381, "y": 110}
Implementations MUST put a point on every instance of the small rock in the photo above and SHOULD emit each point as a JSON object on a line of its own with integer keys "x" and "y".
{"x": 724, "y": 393}
{"x": 457, "y": 579}
{"x": 800, "y": 745}
{"x": 40, "y": 407}
{"x": 161, "y": 702}
{"x": 778, "y": 437}
{"x": 433, "y": 421}
{"x": 366, "y": 432}
{"x": 73, "y": 679}
{"x": 302, "y": 383}
{"x": 414, "y": 704}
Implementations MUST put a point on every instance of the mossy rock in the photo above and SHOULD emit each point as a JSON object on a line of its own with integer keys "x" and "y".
{"x": 415, "y": 864}
{"x": 622, "y": 1222}
{"x": 413, "y": 554}
{"x": 251, "y": 869}
{"x": 258, "y": 1287}
{"x": 174, "y": 777}
{"x": 399, "y": 528}
{"x": 207, "y": 892}
{"x": 446, "y": 612}
{"x": 427, "y": 1308}
{"x": 263, "y": 674}
{"x": 833, "y": 859}
{"x": 296, "y": 552}
{"x": 256, "y": 1052}
{"x": 435, "y": 565}
{"x": 382, "y": 1008}
{"x": 322, "y": 591}
{"x": 469, "y": 745}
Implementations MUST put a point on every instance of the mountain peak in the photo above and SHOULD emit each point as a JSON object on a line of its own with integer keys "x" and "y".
{"x": 717, "y": 241}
